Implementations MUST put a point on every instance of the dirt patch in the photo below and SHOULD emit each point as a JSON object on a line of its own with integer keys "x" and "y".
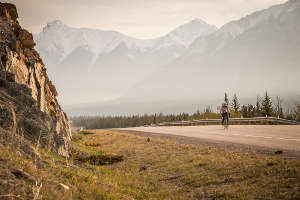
{"x": 100, "y": 159}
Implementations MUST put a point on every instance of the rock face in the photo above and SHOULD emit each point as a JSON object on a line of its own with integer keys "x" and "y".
{"x": 28, "y": 104}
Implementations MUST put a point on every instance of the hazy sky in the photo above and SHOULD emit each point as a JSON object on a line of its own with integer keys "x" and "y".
{"x": 138, "y": 18}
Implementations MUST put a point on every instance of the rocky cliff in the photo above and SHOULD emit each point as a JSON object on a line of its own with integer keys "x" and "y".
{"x": 28, "y": 104}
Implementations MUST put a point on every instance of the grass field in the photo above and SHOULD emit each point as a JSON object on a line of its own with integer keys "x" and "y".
{"x": 155, "y": 169}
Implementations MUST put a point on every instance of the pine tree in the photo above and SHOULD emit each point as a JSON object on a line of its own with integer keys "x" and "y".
{"x": 258, "y": 111}
{"x": 154, "y": 119}
{"x": 297, "y": 111}
{"x": 278, "y": 107}
{"x": 267, "y": 106}
{"x": 235, "y": 104}
{"x": 226, "y": 99}
{"x": 244, "y": 111}
{"x": 251, "y": 110}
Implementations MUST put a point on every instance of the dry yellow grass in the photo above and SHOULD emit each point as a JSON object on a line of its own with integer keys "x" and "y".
{"x": 159, "y": 169}
{"x": 176, "y": 171}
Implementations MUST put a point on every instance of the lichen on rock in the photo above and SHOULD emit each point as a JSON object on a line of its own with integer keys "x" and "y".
{"x": 28, "y": 103}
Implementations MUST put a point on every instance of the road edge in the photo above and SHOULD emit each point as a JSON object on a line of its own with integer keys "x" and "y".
{"x": 288, "y": 154}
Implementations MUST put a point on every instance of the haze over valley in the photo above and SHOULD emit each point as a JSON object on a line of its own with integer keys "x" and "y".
{"x": 187, "y": 69}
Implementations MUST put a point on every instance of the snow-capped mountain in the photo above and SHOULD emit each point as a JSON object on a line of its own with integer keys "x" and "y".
{"x": 58, "y": 40}
{"x": 187, "y": 33}
{"x": 232, "y": 30}
{"x": 249, "y": 56}
{"x": 257, "y": 53}
{"x": 100, "y": 57}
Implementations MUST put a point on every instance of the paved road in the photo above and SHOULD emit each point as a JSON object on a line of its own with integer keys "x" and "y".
{"x": 275, "y": 137}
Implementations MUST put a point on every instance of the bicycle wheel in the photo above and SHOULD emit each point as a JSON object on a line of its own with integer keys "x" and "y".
{"x": 226, "y": 123}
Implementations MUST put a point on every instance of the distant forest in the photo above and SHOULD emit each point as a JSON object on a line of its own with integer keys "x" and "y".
{"x": 263, "y": 107}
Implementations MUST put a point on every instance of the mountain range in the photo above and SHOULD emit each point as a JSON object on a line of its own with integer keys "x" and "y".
{"x": 103, "y": 64}
{"x": 257, "y": 53}
{"x": 196, "y": 62}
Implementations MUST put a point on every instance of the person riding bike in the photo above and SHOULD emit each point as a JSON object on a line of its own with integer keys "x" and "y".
{"x": 225, "y": 115}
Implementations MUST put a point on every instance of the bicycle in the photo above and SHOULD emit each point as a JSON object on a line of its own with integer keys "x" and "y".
{"x": 225, "y": 121}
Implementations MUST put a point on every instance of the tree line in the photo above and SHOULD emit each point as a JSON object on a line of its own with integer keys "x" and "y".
{"x": 263, "y": 107}
{"x": 266, "y": 107}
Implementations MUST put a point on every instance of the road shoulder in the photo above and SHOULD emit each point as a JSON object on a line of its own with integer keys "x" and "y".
{"x": 289, "y": 154}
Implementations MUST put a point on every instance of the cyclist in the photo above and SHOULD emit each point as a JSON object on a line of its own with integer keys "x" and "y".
{"x": 225, "y": 115}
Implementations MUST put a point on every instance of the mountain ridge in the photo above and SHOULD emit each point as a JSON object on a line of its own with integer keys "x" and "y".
{"x": 117, "y": 37}
{"x": 228, "y": 50}
{"x": 250, "y": 56}
{"x": 95, "y": 55}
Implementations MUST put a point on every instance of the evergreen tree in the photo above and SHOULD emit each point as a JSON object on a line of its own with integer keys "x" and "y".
{"x": 267, "y": 106}
{"x": 251, "y": 110}
{"x": 258, "y": 111}
{"x": 297, "y": 112}
{"x": 244, "y": 111}
{"x": 226, "y": 98}
{"x": 154, "y": 119}
{"x": 278, "y": 107}
{"x": 235, "y": 104}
